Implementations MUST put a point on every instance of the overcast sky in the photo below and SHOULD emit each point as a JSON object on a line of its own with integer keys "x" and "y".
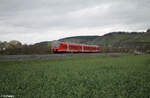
{"x": 31, "y": 21}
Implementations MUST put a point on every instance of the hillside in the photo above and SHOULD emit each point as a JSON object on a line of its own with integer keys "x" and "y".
{"x": 44, "y": 43}
{"x": 79, "y": 39}
{"x": 123, "y": 39}
{"x": 114, "y": 39}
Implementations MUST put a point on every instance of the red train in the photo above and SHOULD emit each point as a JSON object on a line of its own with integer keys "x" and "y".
{"x": 58, "y": 46}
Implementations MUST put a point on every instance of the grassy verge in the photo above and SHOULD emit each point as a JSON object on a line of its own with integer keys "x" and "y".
{"x": 109, "y": 76}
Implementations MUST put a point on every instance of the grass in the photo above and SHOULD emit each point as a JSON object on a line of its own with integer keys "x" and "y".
{"x": 107, "y": 76}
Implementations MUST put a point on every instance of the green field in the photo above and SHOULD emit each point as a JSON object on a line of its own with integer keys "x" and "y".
{"x": 105, "y": 76}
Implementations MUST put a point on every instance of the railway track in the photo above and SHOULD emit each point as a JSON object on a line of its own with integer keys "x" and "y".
{"x": 27, "y": 57}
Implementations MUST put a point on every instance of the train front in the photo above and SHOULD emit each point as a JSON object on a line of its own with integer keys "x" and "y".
{"x": 55, "y": 46}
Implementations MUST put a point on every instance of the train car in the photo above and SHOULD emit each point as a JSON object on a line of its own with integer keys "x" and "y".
{"x": 58, "y": 46}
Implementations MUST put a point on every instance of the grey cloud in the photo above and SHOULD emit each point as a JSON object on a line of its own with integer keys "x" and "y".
{"x": 49, "y": 16}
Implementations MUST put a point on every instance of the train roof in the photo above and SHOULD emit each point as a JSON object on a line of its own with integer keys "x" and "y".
{"x": 77, "y": 43}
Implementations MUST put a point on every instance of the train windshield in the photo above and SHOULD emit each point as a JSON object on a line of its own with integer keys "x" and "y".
{"x": 55, "y": 44}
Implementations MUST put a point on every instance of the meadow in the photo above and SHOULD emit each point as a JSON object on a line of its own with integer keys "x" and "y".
{"x": 105, "y": 76}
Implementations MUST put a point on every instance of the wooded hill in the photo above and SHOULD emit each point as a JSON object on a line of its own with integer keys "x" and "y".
{"x": 114, "y": 39}
{"x": 111, "y": 42}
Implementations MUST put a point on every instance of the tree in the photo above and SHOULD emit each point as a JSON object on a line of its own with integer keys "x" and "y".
{"x": 1, "y": 45}
{"x": 14, "y": 44}
{"x": 148, "y": 30}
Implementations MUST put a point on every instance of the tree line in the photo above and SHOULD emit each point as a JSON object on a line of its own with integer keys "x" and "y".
{"x": 15, "y": 47}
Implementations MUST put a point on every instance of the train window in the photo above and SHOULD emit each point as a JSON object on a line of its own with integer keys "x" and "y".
{"x": 61, "y": 45}
{"x": 65, "y": 46}
{"x": 74, "y": 47}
